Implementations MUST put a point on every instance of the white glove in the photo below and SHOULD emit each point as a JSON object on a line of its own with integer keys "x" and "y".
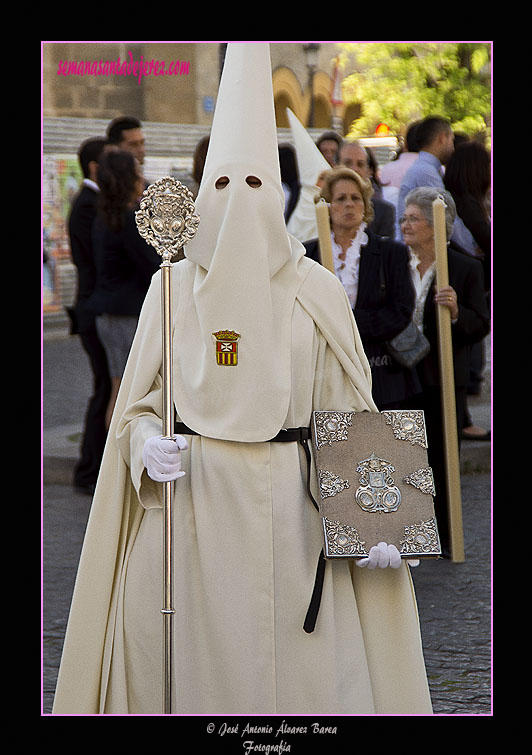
{"x": 162, "y": 457}
{"x": 381, "y": 555}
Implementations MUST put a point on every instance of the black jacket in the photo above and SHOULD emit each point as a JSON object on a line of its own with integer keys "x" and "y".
{"x": 383, "y": 224}
{"x": 125, "y": 265}
{"x": 381, "y": 315}
{"x": 467, "y": 278}
{"x": 80, "y": 223}
{"x": 476, "y": 220}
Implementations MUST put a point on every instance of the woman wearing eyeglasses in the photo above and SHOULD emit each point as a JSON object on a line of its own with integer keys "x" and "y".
{"x": 470, "y": 322}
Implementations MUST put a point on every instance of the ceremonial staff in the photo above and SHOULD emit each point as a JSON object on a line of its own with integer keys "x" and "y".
{"x": 166, "y": 220}
{"x": 324, "y": 233}
{"x": 445, "y": 355}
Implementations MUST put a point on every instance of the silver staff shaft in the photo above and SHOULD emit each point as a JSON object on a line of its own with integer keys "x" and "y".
{"x": 168, "y": 533}
{"x": 166, "y": 220}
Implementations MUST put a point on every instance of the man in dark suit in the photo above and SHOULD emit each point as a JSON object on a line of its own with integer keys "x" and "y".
{"x": 80, "y": 223}
{"x": 353, "y": 155}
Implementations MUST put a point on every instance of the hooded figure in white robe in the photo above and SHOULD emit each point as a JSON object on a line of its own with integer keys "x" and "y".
{"x": 247, "y": 537}
{"x": 310, "y": 165}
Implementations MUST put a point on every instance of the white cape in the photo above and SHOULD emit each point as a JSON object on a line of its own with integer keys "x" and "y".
{"x": 247, "y": 544}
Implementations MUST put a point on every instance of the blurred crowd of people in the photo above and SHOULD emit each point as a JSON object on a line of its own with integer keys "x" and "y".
{"x": 389, "y": 274}
{"x": 383, "y": 248}
{"x": 115, "y": 266}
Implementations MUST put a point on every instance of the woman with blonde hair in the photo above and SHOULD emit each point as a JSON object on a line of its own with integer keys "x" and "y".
{"x": 375, "y": 274}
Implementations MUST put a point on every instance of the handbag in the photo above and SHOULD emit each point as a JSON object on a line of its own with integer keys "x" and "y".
{"x": 409, "y": 347}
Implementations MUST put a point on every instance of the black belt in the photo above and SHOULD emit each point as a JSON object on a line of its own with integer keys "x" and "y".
{"x": 302, "y": 436}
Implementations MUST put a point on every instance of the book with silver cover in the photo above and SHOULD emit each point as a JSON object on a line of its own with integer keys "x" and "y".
{"x": 375, "y": 483}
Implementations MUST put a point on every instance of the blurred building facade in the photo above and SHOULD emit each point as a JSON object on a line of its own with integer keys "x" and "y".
{"x": 188, "y": 94}
{"x": 171, "y": 87}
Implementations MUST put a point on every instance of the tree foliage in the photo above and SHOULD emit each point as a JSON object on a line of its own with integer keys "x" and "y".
{"x": 397, "y": 83}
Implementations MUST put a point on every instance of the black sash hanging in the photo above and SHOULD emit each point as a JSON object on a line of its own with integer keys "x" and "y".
{"x": 302, "y": 436}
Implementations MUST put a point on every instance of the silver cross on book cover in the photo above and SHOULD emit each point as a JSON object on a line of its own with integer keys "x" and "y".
{"x": 374, "y": 483}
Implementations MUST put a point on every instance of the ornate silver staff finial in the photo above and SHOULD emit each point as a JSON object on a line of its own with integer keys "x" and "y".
{"x": 166, "y": 218}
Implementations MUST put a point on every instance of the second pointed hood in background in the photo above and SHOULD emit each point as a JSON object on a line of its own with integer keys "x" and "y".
{"x": 232, "y": 377}
{"x": 310, "y": 163}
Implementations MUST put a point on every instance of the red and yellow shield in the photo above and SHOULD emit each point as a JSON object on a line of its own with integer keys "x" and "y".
{"x": 226, "y": 347}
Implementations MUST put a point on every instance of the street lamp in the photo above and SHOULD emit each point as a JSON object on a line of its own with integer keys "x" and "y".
{"x": 311, "y": 50}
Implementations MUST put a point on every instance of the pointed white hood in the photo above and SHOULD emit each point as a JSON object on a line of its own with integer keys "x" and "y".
{"x": 236, "y": 385}
{"x": 310, "y": 162}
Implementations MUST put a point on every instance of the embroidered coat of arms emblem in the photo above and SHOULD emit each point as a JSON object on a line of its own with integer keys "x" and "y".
{"x": 226, "y": 347}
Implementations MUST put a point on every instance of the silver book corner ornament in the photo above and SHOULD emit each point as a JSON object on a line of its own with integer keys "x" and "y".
{"x": 332, "y": 427}
{"x": 408, "y": 425}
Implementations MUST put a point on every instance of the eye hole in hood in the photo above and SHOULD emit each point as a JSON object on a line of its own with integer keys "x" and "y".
{"x": 253, "y": 181}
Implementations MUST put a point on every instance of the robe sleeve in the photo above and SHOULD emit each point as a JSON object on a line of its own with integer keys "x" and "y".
{"x": 333, "y": 389}
{"x": 325, "y": 300}
{"x": 142, "y": 421}
{"x": 138, "y": 412}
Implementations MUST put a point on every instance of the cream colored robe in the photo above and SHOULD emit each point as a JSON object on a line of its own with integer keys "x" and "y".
{"x": 247, "y": 540}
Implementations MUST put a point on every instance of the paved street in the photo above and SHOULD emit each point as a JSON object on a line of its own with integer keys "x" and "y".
{"x": 454, "y": 599}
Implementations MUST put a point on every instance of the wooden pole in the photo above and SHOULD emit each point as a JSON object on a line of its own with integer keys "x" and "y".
{"x": 445, "y": 355}
{"x": 324, "y": 233}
